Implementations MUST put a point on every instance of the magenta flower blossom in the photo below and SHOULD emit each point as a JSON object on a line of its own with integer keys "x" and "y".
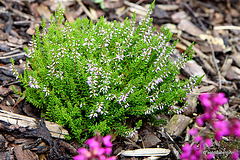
{"x": 235, "y": 127}
{"x": 235, "y": 155}
{"x": 205, "y": 99}
{"x": 212, "y": 119}
{"x": 193, "y": 131}
{"x": 99, "y": 148}
{"x": 219, "y": 99}
{"x": 221, "y": 129}
{"x": 107, "y": 141}
{"x": 208, "y": 142}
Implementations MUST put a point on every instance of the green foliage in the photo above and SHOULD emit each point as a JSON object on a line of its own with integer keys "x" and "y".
{"x": 91, "y": 77}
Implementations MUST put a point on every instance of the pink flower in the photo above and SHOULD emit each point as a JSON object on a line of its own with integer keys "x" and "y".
{"x": 200, "y": 121}
{"x": 187, "y": 149}
{"x": 198, "y": 138}
{"x": 84, "y": 154}
{"x": 79, "y": 157}
{"x": 235, "y": 127}
{"x": 220, "y": 99}
{"x": 221, "y": 125}
{"x": 108, "y": 151}
{"x": 221, "y": 129}
{"x": 107, "y": 141}
{"x": 235, "y": 155}
{"x": 210, "y": 156}
{"x": 208, "y": 141}
{"x": 93, "y": 143}
{"x": 193, "y": 131}
{"x": 96, "y": 150}
{"x": 205, "y": 99}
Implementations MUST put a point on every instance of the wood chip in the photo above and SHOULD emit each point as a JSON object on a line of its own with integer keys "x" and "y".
{"x": 233, "y": 73}
{"x": 177, "y": 124}
{"x": 178, "y": 16}
{"x": 69, "y": 16}
{"x": 193, "y": 69}
{"x": 24, "y": 154}
{"x": 207, "y": 49}
{"x": 189, "y": 27}
{"x": 236, "y": 58}
{"x": 44, "y": 11}
{"x": 226, "y": 66}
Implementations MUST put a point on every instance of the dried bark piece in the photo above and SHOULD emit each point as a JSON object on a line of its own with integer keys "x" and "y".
{"x": 193, "y": 69}
{"x": 3, "y": 36}
{"x": 4, "y": 91}
{"x": 189, "y": 27}
{"x": 24, "y": 154}
{"x": 178, "y": 16}
{"x": 56, "y": 130}
{"x": 3, "y": 143}
{"x": 69, "y": 16}
{"x": 226, "y": 66}
{"x": 68, "y": 147}
{"x": 207, "y": 49}
{"x": 10, "y": 138}
{"x": 192, "y": 103}
{"x": 236, "y": 58}
{"x": 177, "y": 124}
{"x": 44, "y": 11}
{"x": 233, "y": 73}
{"x": 41, "y": 131}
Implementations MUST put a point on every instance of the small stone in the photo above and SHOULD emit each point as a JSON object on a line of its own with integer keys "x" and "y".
{"x": 149, "y": 139}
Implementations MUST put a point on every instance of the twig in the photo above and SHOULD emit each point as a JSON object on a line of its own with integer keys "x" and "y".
{"x": 195, "y": 16}
{"x": 226, "y": 27}
{"x": 215, "y": 63}
{"x": 86, "y": 10}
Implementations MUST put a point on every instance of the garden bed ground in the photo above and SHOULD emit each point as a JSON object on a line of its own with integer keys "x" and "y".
{"x": 213, "y": 26}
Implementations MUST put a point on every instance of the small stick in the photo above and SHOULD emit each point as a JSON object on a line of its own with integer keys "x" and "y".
{"x": 215, "y": 62}
{"x": 195, "y": 16}
{"x": 226, "y": 27}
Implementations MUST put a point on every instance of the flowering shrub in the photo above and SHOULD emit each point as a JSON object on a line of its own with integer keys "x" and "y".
{"x": 220, "y": 124}
{"x": 93, "y": 77}
{"x": 99, "y": 148}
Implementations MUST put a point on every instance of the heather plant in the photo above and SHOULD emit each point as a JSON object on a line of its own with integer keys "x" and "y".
{"x": 221, "y": 126}
{"x": 94, "y": 77}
